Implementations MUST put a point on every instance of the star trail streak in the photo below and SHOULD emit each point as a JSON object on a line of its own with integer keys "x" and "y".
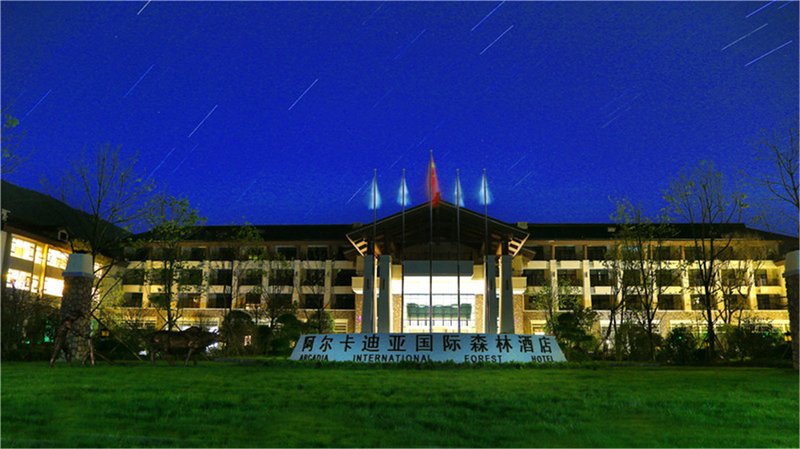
{"x": 202, "y": 121}
{"x": 486, "y": 16}
{"x": 498, "y": 38}
{"x": 767, "y": 53}
{"x": 37, "y": 104}
{"x": 304, "y": 92}
{"x": 748, "y": 34}
{"x": 138, "y": 81}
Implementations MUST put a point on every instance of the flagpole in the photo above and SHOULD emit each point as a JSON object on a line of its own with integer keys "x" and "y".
{"x": 374, "y": 235}
{"x": 486, "y": 243}
{"x": 430, "y": 246}
{"x": 403, "y": 251}
{"x": 458, "y": 247}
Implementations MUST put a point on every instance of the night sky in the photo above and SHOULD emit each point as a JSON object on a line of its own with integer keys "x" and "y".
{"x": 279, "y": 112}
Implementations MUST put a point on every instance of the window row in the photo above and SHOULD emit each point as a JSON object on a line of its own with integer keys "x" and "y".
{"x": 263, "y": 252}
{"x": 249, "y": 300}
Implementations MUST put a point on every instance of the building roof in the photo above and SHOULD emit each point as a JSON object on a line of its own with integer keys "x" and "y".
{"x": 42, "y": 215}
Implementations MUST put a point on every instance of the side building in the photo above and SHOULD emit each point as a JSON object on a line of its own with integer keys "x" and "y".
{"x": 401, "y": 274}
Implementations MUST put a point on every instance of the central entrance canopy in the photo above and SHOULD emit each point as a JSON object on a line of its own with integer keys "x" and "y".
{"x": 410, "y": 240}
{"x": 434, "y": 270}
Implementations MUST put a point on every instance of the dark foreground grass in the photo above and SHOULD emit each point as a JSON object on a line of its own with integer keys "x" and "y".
{"x": 282, "y": 404}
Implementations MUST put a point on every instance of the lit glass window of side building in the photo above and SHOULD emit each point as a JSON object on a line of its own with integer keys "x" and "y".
{"x": 56, "y": 258}
{"x": 17, "y": 279}
{"x": 22, "y": 249}
{"x": 53, "y": 287}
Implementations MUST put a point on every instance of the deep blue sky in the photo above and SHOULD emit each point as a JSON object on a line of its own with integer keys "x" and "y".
{"x": 574, "y": 103}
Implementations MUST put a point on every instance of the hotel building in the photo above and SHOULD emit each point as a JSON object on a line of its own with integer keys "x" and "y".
{"x": 385, "y": 276}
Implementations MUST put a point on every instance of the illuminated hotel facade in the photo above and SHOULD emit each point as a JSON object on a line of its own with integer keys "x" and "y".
{"x": 401, "y": 274}
{"x": 393, "y": 288}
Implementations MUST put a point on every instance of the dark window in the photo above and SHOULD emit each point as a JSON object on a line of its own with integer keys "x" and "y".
{"x": 665, "y": 253}
{"x": 670, "y": 302}
{"x": 191, "y": 277}
{"x": 695, "y": 279}
{"x": 599, "y": 278}
{"x": 736, "y": 302}
{"x": 570, "y": 276}
{"x": 193, "y": 253}
{"x": 281, "y": 277}
{"x": 158, "y": 300}
{"x": 158, "y": 277}
{"x": 693, "y": 253}
{"x": 668, "y": 278}
{"x": 539, "y": 252}
{"x": 282, "y": 300}
{"x": 135, "y": 253}
{"x": 317, "y": 253}
{"x": 535, "y": 278}
{"x": 635, "y": 302}
{"x": 219, "y": 300}
{"x": 252, "y": 298}
{"x": 221, "y": 277}
{"x": 601, "y": 302}
{"x": 189, "y": 300}
{"x": 251, "y": 277}
{"x": 160, "y": 253}
{"x": 726, "y": 254}
{"x": 763, "y": 279}
{"x": 631, "y": 277}
{"x": 133, "y": 277}
{"x": 287, "y": 252}
{"x": 596, "y": 252}
{"x": 345, "y": 302}
{"x": 770, "y": 302}
{"x": 223, "y": 253}
{"x": 314, "y": 277}
{"x": 132, "y": 300}
{"x": 699, "y": 302}
{"x": 566, "y": 253}
{"x": 313, "y": 301}
{"x": 344, "y": 278}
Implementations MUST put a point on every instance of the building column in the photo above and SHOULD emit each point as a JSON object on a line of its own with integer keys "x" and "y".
{"x": 76, "y": 304}
{"x": 491, "y": 294}
{"x": 479, "y": 315}
{"x": 506, "y": 296}
{"x": 587, "y": 287}
{"x": 385, "y": 295}
{"x": 327, "y": 296}
{"x": 368, "y": 308}
{"x": 686, "y": 295}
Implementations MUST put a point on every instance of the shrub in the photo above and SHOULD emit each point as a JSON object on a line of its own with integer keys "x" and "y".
{"x": 752, "y": 340}
{"x": 28, "y": 325}
{"x": 632, "y": 342}
{"x": 680, "y": 346}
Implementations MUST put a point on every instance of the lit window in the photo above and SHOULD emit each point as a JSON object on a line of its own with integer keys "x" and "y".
{"x": 56, "y": 258}
{"x": 53, "y": 287}
{"x": 20, "y": 280}
{"x": 22, "y": 249}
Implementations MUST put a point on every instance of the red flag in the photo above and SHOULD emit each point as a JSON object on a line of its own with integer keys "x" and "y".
{"x": 433, "y": 184}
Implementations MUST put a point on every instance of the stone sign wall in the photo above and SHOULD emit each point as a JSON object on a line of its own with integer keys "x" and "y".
{"x": 459, "y": 348}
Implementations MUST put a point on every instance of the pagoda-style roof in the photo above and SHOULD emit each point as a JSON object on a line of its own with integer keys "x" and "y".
{"x": 409, "y": 233}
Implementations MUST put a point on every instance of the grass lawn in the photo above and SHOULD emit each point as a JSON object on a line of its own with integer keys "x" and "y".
{"x": 284, "y": 404}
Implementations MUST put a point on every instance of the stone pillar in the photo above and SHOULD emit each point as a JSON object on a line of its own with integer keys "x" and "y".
{"x": 506, "y": 296}
{"x": 479, "y": 315}
{"x": 385, "y": 295}
{"x": 587, "y": 287}
{"x": 490, "y": 298}
{"x": 76, "y": 303}
{"x": 791, "y": 274}
{"x": 368, "y": 308}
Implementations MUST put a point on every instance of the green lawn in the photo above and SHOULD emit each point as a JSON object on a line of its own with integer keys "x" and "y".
{"x": 283, "y": 404}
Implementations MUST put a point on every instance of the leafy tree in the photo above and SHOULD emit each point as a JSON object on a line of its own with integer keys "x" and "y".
{"x": 27, "y": 324}
{"x": 11, "y": 158}
{"x": 646, "y": 267}
{"x": 699, "y": 198}
{"x": 172, "y": 221}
